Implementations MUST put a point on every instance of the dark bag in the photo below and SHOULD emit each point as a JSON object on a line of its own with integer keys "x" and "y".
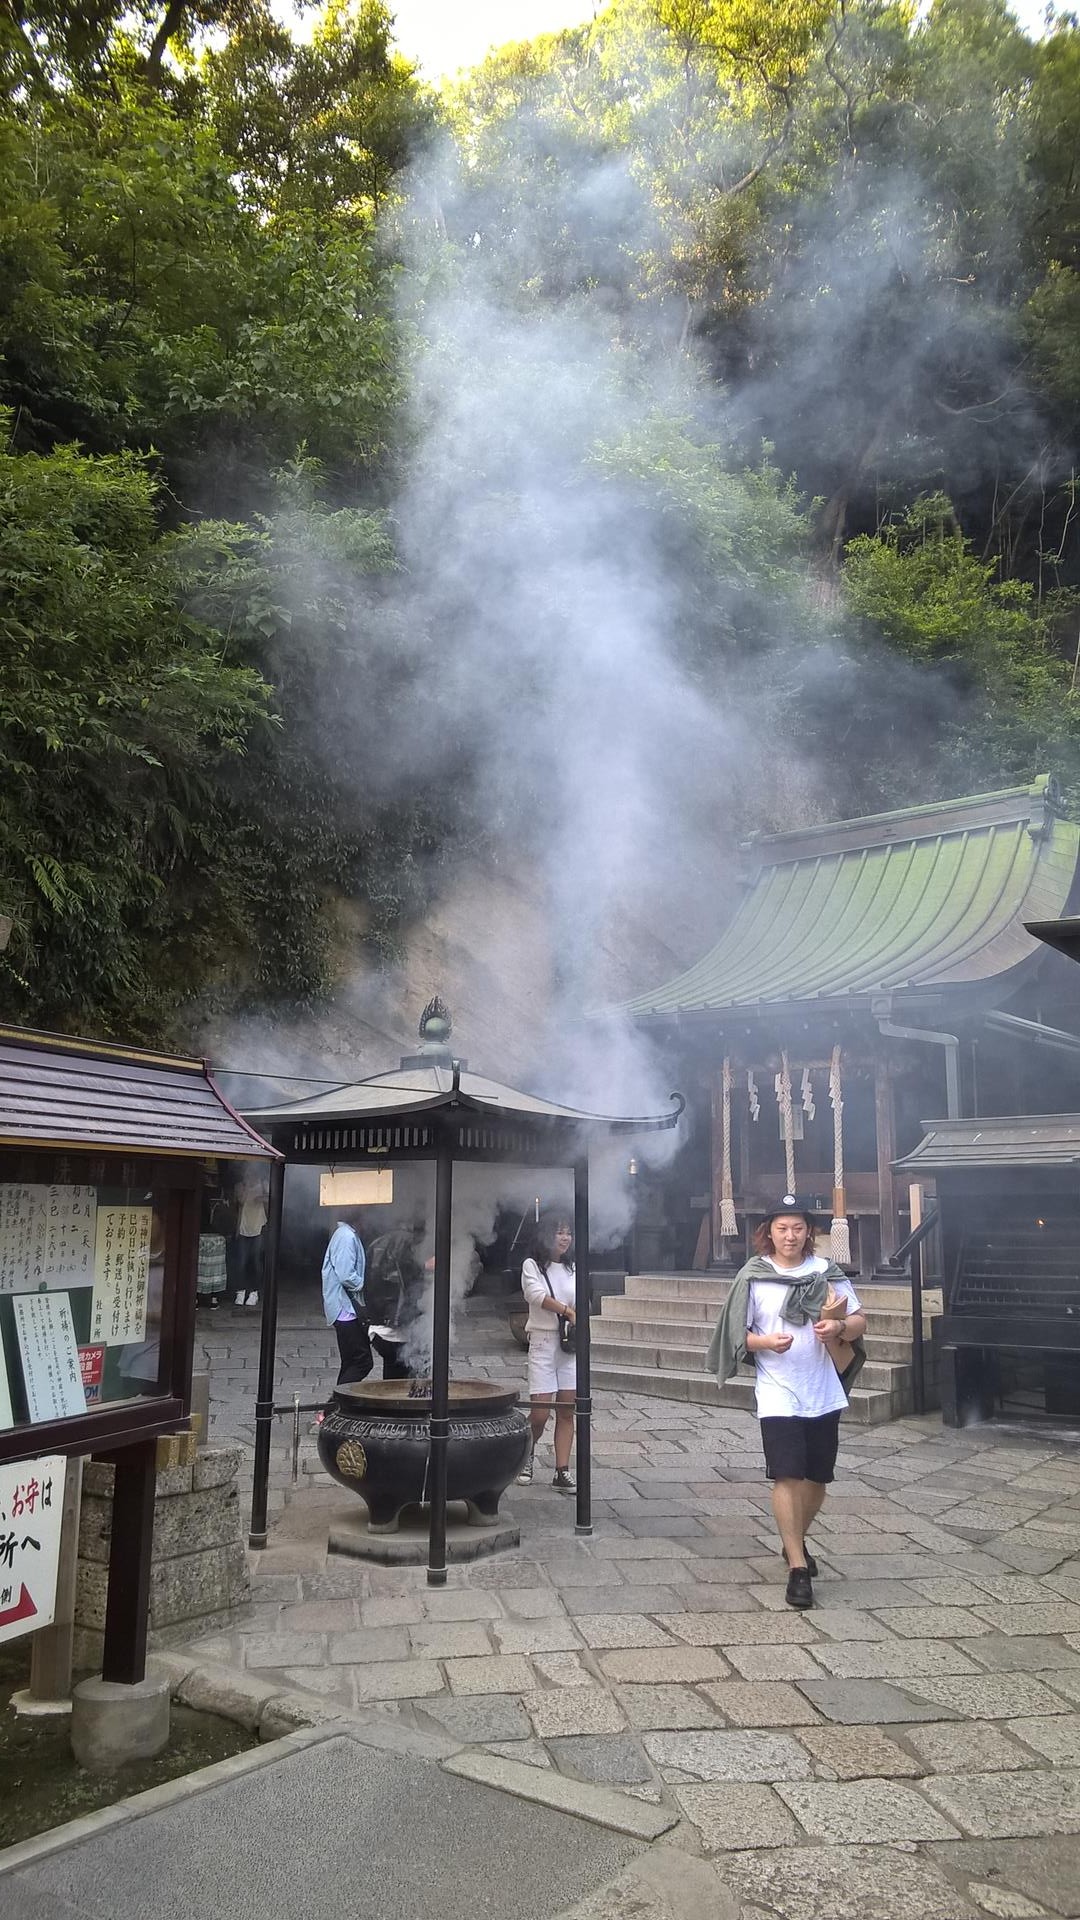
{"x": 567, "y": 1334}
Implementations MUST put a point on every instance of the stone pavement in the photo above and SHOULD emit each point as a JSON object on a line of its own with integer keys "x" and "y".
{"x": 912, "y": 1746}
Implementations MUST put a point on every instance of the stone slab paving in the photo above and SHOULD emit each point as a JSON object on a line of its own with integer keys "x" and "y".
{"x": 909, "y": 1747}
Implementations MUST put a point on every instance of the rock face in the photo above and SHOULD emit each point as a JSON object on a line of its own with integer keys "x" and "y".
{"x": 199, "y": 1570}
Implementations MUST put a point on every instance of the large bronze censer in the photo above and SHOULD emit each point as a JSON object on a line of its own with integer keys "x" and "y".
{"x": 375, "y": 1440}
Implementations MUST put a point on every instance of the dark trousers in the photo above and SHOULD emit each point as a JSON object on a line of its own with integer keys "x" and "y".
{"x": 393, "y": 1366}
{"x": 247, "y": 1262}
{"x": 354, "y": 1347}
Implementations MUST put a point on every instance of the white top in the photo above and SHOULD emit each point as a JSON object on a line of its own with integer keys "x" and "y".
{"x": 559, "y": 1283}
{"x": 252, "y": 1217}
{"x": 802, "y": 1381}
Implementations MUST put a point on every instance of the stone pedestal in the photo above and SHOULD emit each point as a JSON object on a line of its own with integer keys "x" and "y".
{"x": 112, "y": 1723}
{"x": 350, "y": 1534}
{"x": 199, "y": 1569}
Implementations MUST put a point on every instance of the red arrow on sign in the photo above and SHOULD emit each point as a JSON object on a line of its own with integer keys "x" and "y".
{"x": 24, "y": 1608}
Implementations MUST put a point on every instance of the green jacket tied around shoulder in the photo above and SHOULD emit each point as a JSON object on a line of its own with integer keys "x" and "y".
{"x": 803, "y": 1301}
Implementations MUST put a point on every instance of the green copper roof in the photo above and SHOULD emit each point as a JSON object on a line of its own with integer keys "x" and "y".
{"x": 927, "y": 898}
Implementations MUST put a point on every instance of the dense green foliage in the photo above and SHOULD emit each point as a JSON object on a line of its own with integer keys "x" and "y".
{"x": 854, "y": 224}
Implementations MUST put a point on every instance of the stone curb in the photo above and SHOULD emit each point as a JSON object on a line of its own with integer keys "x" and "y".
{"x": 137, "y": 1805}
{"x": 599, "y": 1805}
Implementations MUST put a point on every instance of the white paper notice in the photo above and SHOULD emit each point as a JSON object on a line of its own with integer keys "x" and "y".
{"x": 52, "y": 1374}
{"x": 121, "y": 1275}
{"x": 46, "y": 1238}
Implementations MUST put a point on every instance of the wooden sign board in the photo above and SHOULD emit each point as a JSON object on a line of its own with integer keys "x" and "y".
{"x": 357, "y": 1187}
{"x": 31, "y": 1510}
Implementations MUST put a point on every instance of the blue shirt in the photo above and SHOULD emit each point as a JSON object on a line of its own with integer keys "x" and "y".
{"x": 343, "y": 1275}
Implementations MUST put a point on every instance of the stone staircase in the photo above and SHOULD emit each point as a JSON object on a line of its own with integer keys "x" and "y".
{"x": 652, "y": 1338}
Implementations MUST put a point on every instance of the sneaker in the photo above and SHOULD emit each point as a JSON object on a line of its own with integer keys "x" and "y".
{"x": 799, "y": 1591}
{"x": 811, "y": 1563}
{"x": 524, "y": 1478}
{"x": 564, "y": 1481}
{"x": 252, "y": 1300}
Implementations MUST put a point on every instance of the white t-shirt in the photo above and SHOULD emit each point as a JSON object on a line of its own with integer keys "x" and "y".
{"x": 559, "y": 1283}
{"x": 802, "y": 1381}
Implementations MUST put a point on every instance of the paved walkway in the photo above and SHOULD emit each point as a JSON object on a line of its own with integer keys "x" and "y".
{"x": 912, "y": 1746}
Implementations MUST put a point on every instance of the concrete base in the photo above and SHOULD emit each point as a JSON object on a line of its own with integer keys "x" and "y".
{"x": 408, "y": 1547}
{"x": 112, "y": 1723}
{"x": 29, "y": 1707}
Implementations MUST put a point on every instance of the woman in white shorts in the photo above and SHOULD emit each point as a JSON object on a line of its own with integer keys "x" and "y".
{"x": 547, "y": 1281}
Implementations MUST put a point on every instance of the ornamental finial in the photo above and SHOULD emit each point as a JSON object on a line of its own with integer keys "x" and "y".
{"x": 436, "y": 1024}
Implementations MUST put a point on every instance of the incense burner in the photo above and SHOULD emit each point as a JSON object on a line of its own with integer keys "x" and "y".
{"x": 375, "y": 1440}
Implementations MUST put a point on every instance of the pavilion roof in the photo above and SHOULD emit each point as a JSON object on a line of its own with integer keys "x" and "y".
{"x": 91, "y": 1095}
{"x": 1025, "y": 1140}
{"x": 910, "y": 902}
{"x": 416, "y": 1087}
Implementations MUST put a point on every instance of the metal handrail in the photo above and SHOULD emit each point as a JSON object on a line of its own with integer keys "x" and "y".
{"x": 909, "y": 1253}
{"x": 914, "y": 1239}
{"x": 296, "y": 1407}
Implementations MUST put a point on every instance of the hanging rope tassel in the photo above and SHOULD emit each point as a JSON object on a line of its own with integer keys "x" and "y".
{"x": 728, "y": 1227}
{"x": 787, "y": 1127}
{"x": 839, "y": 1233}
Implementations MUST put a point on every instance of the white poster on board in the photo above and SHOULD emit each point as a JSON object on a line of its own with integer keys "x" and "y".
{"x": 46, "y": 1238}
{"x": 31, "y": 1507}
{"x": 52, "y": 1374}
{"x": 121, "y": 1275}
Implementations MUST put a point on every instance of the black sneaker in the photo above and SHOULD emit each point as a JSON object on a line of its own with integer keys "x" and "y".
{"x": 799, "y": 1591}
{"x": 811, "y": 1563}
{"x": 564, "y": 1481}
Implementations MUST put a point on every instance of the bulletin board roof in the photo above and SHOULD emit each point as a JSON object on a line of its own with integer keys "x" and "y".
{"x": 87, "y": 1095}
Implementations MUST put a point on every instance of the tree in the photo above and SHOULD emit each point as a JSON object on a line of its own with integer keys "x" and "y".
{"x": 1004, "y": 700}
{"x": 117, "y": 713}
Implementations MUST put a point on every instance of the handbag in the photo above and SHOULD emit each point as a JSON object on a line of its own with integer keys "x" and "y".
{"x": 841, "y": 1352}
{"x": 567, "y": 1334}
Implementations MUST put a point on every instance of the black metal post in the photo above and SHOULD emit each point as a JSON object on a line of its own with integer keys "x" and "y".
{"x": 918, "y": 1358}
{"x": 127, "y": 1607}
{"x": 264, "y": 1404}
{"x": 582, "y": 1308}
{"x": 440, "y": 1361}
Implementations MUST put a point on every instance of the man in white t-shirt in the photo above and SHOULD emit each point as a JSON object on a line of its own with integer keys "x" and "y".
{"x": 798, "y": 1391}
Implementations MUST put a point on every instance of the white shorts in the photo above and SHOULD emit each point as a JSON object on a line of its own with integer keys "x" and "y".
{"x": 550, "y": 1369}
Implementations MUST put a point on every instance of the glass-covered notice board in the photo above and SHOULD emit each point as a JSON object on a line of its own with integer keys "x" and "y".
{"x": 81, "y": 1297}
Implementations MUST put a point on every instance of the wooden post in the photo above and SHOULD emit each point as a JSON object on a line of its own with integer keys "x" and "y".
{"x": 127, "y": 1607}
{"x": 885, "y": 1124}
{"x": 716, "y": 1162}
{"x": 51, "y": 1647}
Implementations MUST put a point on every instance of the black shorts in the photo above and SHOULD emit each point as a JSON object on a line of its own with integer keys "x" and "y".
{"x": 798, "y": 1449}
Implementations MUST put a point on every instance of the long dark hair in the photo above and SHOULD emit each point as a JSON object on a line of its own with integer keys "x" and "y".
{"x": 544, "y": 1244}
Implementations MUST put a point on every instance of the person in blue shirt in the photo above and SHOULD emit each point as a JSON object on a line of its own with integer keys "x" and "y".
{"x": 343, "y": 1297}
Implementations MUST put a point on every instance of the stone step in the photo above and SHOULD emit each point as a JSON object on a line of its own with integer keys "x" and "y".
{"x": 711, "y": 1290}
{"x": 622, "y": 1313}
{"x": 883, "y": 1375}
{"x": 867, "y": 1408}
{"x": 696, "y": 1335}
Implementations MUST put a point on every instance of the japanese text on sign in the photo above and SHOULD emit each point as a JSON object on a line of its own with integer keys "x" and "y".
{"x": 46, "y": 1237}
{"x": 31, "y": 1508}
{"x": 52, "y": 1376}
{"x": 121, "y": 1275}
{"x": 92, "y": 1362}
